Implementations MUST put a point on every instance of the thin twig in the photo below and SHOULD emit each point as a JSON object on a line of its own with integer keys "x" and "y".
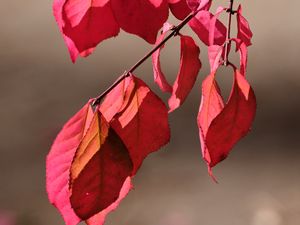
{"x": 227, "y": 44}
{"x": 174, "y": 32}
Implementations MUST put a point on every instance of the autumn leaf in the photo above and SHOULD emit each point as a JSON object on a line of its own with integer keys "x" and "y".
{"x": 99, "y": 169}
{"x": 140, "y": 118}
{"x": 59, "y": 162}
{"x": 244, "y": 32}
{"x": 188, "y": 70}
{"x": 215, "y": 53}
{"x": 159, "y": 77}
{"x": 179, "y": 8}
{"x": 90, "y": 144}
{"x": 211, "y": 105}
{"x": 141, "y": 17}
{"x": 84, "y": 24}
{"x": 201, "y": 25}
{"x": 221, "y": 127}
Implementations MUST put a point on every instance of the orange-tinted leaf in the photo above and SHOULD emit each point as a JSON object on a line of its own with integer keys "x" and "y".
{"x": 59, "y": 162}
{"x": 89, "y": 146}
{"x": 99, "y": 170}
{"x": 211, "y": 105}
{"x": 189, "y": 67}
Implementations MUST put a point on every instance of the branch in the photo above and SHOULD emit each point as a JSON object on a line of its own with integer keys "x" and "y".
{"x": 175, "y": 31}
{"x": 230, "y": 12}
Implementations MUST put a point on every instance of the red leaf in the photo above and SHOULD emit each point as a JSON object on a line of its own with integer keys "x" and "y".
{"x": 211, "y": 105}
{"x": 214, "y": 26}
{"x": 179, "y": 8}
{"x": 115, "y": 99}
{"x": 201, "y": 23}
{"x": 188, "y": 71}
{"x": 159, "y": 77}
{"x": 244, "y": 31}
{"x": 187, "y": 75}
{"x": 84, "y": 24}
{"x": 59, "y": 162}
{"x": 189, "y": 68}
{"x": 243, "y": 51}
{"x": 100, "y": 167}
{"x": 75, "y": 10}
{"x": 141, "y": 17}
{"x": 142, "y": 122}
{"x": 214, "y": 55}
{"x": 227, "y": 125}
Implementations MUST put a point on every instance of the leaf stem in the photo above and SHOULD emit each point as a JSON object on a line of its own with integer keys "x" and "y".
{"x": 227, "y": 43}
{"x": 174, "y": 32}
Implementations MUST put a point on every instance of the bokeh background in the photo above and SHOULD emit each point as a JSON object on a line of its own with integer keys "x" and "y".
{"x": 259, "y": 184}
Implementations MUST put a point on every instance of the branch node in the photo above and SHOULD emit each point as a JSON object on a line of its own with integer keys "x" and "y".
{"x": 231, "y": 11}
{"x": 176, "y": 31}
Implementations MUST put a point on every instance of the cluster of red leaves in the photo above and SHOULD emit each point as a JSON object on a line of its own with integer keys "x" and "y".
{"x": 100, "y": 149}
{"x": 93, "y": 158}
{"x": 85, "y": 23}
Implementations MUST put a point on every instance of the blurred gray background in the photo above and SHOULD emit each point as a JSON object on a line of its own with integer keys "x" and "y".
{"x": 259, "y": 184}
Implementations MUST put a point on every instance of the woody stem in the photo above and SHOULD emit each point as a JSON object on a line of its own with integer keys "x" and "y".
{"x": 174, "y": 32}
{"x": 227, "y": 44}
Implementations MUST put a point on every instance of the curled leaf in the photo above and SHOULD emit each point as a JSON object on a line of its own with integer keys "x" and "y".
{"x": 188, "y": 71}
{"x": 159, "y": 76}
{"x": 189, "y": 68}
{"x": 222, "y": 127}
